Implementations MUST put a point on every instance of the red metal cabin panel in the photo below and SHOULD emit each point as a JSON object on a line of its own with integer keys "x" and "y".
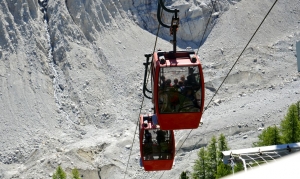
{"x": 156, "y": 165}
{"x": 182, "y": 121}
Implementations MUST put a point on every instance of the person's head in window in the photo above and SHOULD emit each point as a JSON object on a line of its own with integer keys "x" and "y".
{"x": 168, "y": 83}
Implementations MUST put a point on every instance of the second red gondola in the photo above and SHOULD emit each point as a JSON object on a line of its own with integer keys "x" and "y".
{"x": 157, "y": 146}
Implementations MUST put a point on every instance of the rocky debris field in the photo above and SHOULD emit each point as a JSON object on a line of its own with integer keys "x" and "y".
{"x": 71, "y": 76}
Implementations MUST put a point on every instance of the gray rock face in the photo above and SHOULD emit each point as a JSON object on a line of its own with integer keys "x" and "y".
{"x": 71, "y": 75}
{"x": 196, "y": 18}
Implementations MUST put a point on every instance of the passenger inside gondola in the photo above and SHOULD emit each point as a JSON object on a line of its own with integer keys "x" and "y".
{"x": 176, "y": 85}
{"x": 148, "y": 150}
{"x": 160, "y": 136}
{"x": 162, "y": 82}
{"x": 168, "y": 83}
{"x": 191, "y": 78}
{"x": 148, "y": 137}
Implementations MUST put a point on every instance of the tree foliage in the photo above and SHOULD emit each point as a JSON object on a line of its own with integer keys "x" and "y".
{"x": 238, "y": 167}
{"x": 212, "y": 157}
{"x": 222, "y": 145}
{"x": 223, "y": 170}
{"x": 288, "y": 132}
{"x": 290, "y": 126}
{"x": 59, "y": 174}
{"x": 269, "y": 136}
{"x": 200, "y": 166}
{"x": 75, "y": 174}
{"x": 209, "y": 164}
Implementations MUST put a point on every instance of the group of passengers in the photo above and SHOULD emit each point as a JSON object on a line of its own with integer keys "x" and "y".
{"x": 186, "y": 86}
{"x": 163, "y": 146}
{"x": 190, "y": 81}
{"x": 179, "y": 85}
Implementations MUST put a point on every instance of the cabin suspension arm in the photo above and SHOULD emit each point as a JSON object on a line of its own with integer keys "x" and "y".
{"x": 145, "y": 76}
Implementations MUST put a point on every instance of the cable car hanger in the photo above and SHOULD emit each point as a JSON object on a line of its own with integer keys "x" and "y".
{"x": 173, "y": 29}
{"x": 174, "y": 23}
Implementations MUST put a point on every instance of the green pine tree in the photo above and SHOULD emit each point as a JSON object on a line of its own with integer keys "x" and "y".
{"x": 223, "y": 170}
{"x": 290, "y": 126}
{"x": 75, "y": 174}
{"x": 59, "y": 174}
{"x": 212, "y": 157}
{"x": 269, "y": 136}
{"x": 200, "y": 167}
{"x": 209, "y": 164}
{"x": 222, "y": 146}
{"x": 238, "y": 167}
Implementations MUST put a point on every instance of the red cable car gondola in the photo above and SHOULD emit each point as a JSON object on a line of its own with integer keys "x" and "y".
{"x": 157, "y": 146}
{"x": 178, "y": 89}
{"x": 178, "y": 83}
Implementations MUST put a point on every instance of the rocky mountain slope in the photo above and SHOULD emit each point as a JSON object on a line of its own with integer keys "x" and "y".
{"x": 71, "y": 77}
